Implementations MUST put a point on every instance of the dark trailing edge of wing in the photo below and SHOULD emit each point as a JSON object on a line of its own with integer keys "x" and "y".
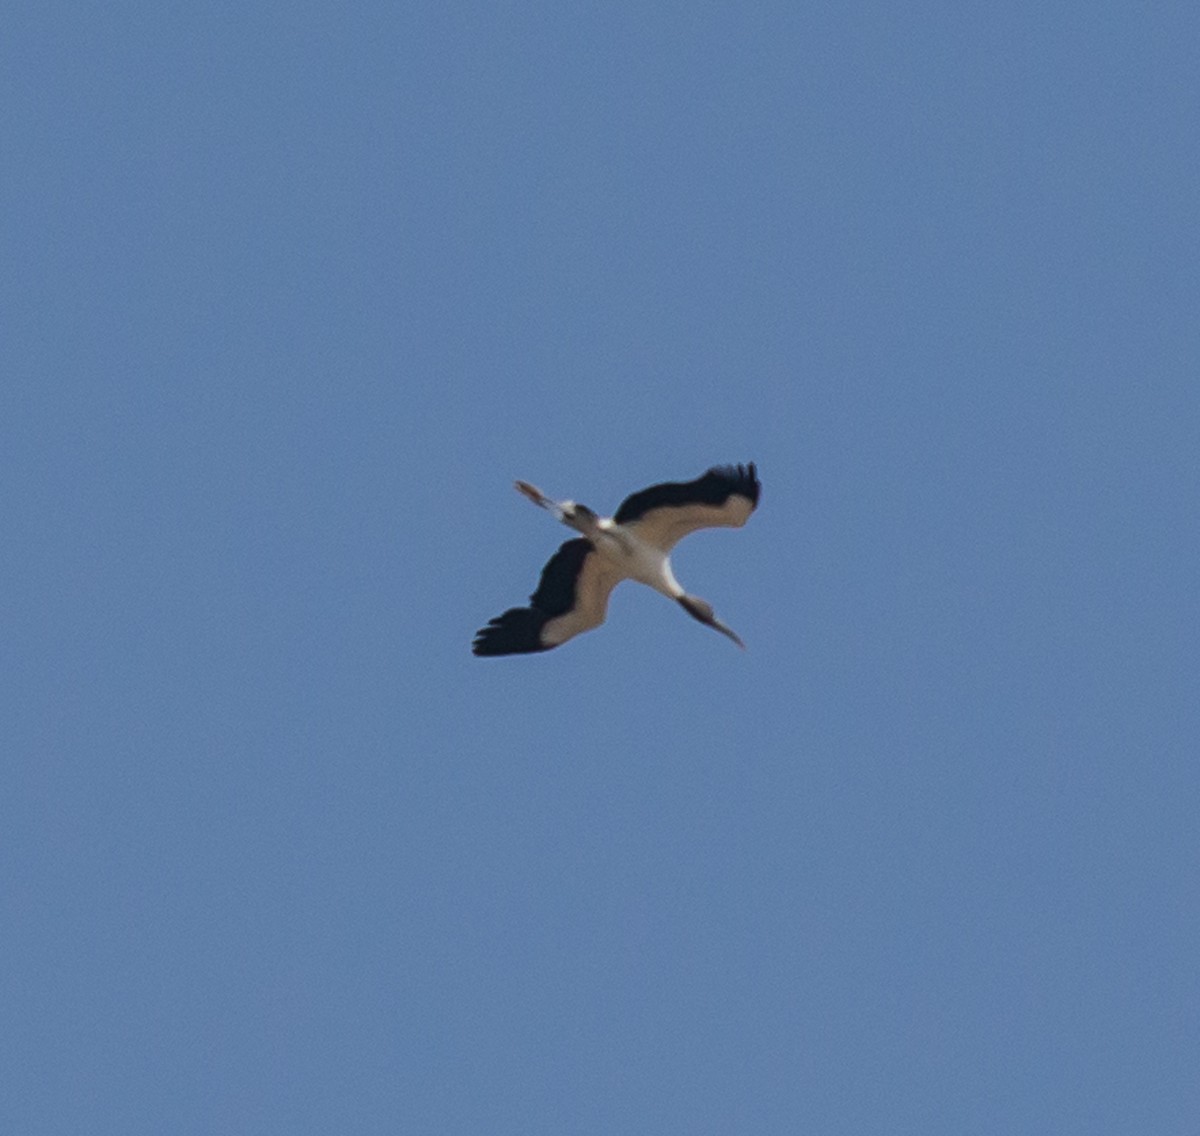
{"x": 713, "y": 488}
{"x": 518, "y": 631}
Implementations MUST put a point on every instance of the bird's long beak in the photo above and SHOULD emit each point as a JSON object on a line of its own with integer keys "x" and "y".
{"x": 702, "y": 610}
{"x": 719, "y": 626}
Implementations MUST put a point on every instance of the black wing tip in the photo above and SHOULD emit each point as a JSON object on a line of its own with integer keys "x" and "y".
{"x": 742, "y": 479}
{"x": 516, "y": 632}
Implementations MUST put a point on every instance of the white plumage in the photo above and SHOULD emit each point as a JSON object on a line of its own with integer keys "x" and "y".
{"x": 634, "y": 544}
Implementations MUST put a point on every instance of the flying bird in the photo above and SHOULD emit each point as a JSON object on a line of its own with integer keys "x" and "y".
{"x": 633, "y": 544}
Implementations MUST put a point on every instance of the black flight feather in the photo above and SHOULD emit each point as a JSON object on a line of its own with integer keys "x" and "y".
{"x": 713, "y": 488}
{"x": 518, "y": 631}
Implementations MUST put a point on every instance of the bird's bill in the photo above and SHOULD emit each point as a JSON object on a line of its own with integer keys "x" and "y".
{"x": 717, "y": 625}
{"x": 702, "y": 610}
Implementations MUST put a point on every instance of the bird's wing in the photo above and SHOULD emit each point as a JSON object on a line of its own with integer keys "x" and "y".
{"x": 571, "y": 597}
{"x": 664, "y": 514}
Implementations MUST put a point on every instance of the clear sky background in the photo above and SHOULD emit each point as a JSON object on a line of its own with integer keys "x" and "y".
{"x": 291, "y": 294}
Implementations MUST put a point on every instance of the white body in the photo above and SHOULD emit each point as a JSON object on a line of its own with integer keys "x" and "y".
{"x": 572, "y": 595}
{"x": 638, "y": 551}
{"x": 634, "y": 558}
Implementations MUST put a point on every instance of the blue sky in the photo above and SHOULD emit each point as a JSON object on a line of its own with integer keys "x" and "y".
{"x": 291, "y": 296}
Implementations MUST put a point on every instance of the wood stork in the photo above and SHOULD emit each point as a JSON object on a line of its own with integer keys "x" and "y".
{"x": 634, "y": 544}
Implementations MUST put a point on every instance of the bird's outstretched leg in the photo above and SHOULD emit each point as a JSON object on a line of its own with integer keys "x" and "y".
{"x": 537, "y": 496}
{"x": 571, "y": 513}
{"x": 562, "y": 512}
